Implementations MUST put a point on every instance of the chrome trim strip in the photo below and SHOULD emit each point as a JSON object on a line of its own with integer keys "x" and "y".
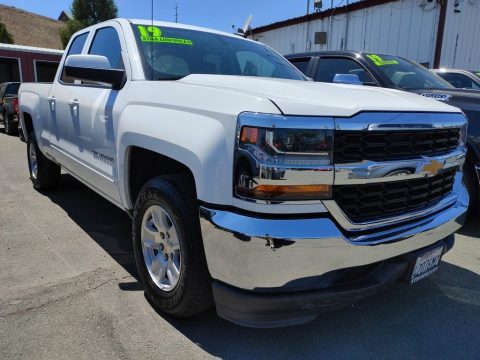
{"x": 382, "y": 121}
{"x": 236, "y": 251}
{"x": 348, "y": 225}
{"x": 285, "y": 122}
{"x": 374, "y": 172}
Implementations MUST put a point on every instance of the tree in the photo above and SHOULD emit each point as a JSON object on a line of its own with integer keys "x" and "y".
{"x": 86, "y": 13}
{"x": 90, "y": 12}
{"x": 5, "y": 36}
{"x": 71, "y": 28}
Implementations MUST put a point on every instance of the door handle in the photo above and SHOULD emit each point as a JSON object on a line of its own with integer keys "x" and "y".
{"x": 73, "y": 103}
{"x": 51, "y": 98}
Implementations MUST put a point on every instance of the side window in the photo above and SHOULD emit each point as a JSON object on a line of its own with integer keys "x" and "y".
{"x": 75, "y": 49}
{"x": 459, "y": 81}
{"x": 329, "y": 67}
{"x": 301, "y": 64}
{"x": 107, "y": 43}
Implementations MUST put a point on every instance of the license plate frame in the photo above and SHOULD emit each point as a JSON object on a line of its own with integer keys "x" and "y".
{"x": 426, "y": 264}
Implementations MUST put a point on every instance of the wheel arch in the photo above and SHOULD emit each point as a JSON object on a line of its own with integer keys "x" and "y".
{"x": 143, "y": 164}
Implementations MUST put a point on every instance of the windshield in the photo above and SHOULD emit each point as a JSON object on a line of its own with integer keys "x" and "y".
{"x": 406, "y": 75}
{"x": 172, "y": 53}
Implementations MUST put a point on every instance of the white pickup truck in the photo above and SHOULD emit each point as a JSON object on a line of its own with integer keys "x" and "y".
{"x": 249, "y": 187}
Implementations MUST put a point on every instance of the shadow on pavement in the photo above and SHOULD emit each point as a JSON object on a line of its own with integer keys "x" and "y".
{"x": 472, "y": 226}
{"x": 105, "y": 223}
{"x": 436, "y": 318}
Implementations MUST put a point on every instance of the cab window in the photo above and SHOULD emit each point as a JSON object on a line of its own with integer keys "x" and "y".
{"x": 301, "y": 64}
{"x": 107, "y": 43}
{"x": 460, "y": 81}
{"x": 75, "y": 49}
{"x": 329, "y": 67}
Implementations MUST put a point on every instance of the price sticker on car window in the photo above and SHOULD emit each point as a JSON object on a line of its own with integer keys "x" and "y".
{"x": 153, "y": 34}
{"x": 379, "y": 61}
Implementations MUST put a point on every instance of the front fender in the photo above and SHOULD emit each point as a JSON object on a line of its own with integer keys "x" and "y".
{"x": 200, "y": 142}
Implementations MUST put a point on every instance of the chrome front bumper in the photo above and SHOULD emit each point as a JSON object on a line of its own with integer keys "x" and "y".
{"x": 254, "y": 253}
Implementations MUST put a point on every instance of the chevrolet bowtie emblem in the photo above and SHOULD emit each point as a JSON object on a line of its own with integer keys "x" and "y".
{"x": 432, "y": 167}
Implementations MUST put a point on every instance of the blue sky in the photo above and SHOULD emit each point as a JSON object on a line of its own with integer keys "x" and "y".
{"x": 217, "y": 14}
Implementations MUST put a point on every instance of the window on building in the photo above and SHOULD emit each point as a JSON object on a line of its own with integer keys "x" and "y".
{"x": 9, "y": 70}
{"x": 106, "y": 43}
{"x": 460, "y": 81}
{"x": 301, "y": 64}
{"x": 329, "y": 67}
{"x": 45, "y": 70}
{"x": 75, "y": 49}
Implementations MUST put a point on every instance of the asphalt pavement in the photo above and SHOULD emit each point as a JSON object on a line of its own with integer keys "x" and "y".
{"x": 69, "y": 290}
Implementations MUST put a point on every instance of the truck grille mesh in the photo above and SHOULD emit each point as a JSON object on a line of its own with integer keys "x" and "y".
{"x": 356, "y": 146}
{"x": 370, "y": 202}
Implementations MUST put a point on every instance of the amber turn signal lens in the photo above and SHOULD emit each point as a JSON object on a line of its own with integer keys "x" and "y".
{"x": 249, "y": 135}
{"x": 287, "y": 192}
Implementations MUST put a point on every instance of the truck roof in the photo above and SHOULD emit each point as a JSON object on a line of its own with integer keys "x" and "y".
{"x": 183, "y": 26}
{"x": 336, "y": 52}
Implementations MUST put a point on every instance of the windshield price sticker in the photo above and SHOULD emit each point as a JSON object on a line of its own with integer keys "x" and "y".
{"x": 153, "y": 34}
{"x": 377, "y": 60}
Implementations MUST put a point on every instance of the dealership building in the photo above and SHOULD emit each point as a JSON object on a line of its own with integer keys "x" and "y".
{"x": 436, "y": 33}
{"x": 27, "y": 63}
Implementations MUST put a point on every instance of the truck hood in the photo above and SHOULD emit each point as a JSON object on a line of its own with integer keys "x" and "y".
{"x": 294, "y": 97}
{"x": 467, "y": 100}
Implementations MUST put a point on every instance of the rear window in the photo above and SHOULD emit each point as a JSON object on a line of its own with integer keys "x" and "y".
{"x": 12, "y": 89}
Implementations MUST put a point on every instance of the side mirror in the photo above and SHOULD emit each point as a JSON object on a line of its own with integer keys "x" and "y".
{"x": 351, "y": 79}
{"x": 94, "y": 68}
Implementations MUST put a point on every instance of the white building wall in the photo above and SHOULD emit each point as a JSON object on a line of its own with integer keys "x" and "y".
{"x": 406, "y": 28}
{"x": 461, "y": 41}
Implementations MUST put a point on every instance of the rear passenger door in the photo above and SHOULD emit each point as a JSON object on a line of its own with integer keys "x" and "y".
{"x": 95, "y": 108}
{"x": 328, "y": 67}
{"x": 63, "y": 131}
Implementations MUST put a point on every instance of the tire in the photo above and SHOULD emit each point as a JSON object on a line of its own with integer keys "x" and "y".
{"x": 20, "y": 132}
{"x": 44, "y": 173}
{"x": 170, "y": 200}
{"x": 9, "y": 125}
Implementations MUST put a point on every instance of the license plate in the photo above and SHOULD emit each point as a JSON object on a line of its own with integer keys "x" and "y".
{"x": 426, "y": 264}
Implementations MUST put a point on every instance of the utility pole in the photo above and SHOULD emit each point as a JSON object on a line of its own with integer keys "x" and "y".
{"x": 308, "y": 27}
{"x": 176, "y": 12}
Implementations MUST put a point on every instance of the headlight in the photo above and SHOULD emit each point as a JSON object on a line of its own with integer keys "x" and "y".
{"x": 280, "y": 158}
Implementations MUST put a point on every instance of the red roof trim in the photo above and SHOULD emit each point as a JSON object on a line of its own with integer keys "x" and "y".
{"x": 360, "y": 5}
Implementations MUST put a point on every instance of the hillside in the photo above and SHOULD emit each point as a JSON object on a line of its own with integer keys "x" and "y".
{"x": 41, "y": 31}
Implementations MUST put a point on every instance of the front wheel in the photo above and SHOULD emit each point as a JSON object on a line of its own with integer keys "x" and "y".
{"x": 168, "y": 247}
{"x": 44, "y": 173}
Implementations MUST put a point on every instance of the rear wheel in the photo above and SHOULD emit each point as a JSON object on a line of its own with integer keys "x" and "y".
{"x": 20, "y": 130}
{"x": 9, "y": 124}
{"x": 44, "y": 173}
{"x": 168, "y": 247}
